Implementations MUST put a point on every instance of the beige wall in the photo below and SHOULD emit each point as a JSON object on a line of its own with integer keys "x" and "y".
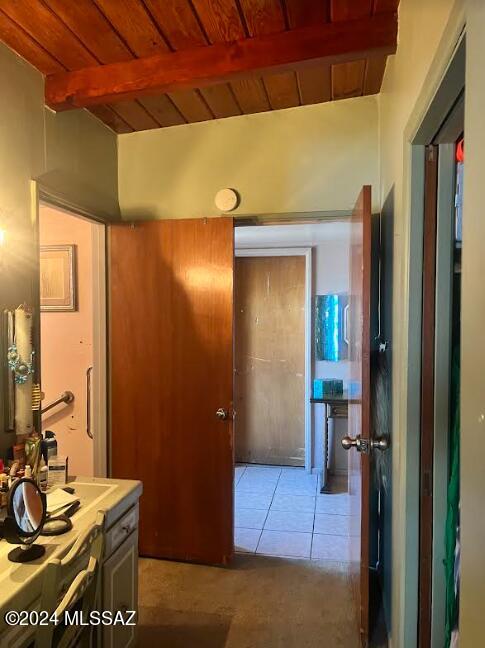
{"x": 67, "y": 342}
{"x": 81, "y": 162}
{"x": 427, "y": 34}
{"x": 71, "y": 154}
{"x": 21, "y": 159}
{"x": 472, "y": 602}
{"x": 313, "y": 158}
{"x": 421, "y": 26}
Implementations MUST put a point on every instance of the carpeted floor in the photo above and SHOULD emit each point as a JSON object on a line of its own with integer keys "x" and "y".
{"x": 260, "y": 602}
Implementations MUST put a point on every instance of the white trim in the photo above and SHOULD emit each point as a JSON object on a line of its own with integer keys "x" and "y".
{"x": 99, "y": 385}
{"x": 307, "y": 253}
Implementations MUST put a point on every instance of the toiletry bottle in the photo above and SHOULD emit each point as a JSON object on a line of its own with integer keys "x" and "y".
{"x": 49, "y": 445}
{"x": 32, "y": 451}
{"x": 28, "y": 472}
{"x": 43, "y": 474}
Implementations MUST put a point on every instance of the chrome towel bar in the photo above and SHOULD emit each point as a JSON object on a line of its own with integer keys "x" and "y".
{"x": 66, "y": 397}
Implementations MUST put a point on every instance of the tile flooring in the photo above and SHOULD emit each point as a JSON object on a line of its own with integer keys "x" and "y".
{"x": 280, "y": 512}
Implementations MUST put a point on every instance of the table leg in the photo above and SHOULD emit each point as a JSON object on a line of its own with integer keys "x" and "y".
{"x": 324, "y": 487}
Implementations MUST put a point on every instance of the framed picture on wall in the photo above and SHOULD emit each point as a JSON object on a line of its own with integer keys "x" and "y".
{"x": 58, "y": 278}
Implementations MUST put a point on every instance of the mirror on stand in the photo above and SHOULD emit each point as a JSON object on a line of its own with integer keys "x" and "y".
{"x": 26, "y": 514}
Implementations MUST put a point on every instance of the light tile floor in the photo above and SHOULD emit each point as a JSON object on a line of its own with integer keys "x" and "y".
{"x": 280, "y": 512}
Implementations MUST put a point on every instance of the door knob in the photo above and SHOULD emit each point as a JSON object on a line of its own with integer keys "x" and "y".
{"x": 222, "y": 414}
{"x": 381, "y": 443}
{"x": 348, "y": 442}
{"x": 363, "y": 445}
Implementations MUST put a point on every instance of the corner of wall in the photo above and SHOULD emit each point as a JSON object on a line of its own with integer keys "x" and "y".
{"x": 81, "y": 162}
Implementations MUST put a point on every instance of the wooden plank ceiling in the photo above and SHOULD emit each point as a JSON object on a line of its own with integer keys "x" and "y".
{"x": 59, "y": 36}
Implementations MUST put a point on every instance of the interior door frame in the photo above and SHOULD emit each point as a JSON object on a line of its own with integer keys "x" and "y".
{"x": 307, "y": 253}
{"x": 442, "y": 380}
{"x": 41, "y": 195}
{"x": 428, "y": 374}
{"x": 443, "y": 98}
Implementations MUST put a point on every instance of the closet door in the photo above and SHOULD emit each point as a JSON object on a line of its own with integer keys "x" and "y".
{"x": 171, "y": 352}
{"x": 270, "y": 360}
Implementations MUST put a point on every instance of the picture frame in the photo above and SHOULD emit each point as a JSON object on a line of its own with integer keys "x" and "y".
{"x": 58, "y": 278}
{"x": 331, "y": 327}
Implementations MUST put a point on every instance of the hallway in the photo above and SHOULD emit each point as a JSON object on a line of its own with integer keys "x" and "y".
{"x": 261, "y": 602}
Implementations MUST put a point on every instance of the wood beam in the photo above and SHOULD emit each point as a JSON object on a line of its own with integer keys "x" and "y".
{"x": 194, "y": 68}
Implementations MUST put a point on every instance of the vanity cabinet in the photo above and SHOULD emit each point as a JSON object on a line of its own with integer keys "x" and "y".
{"x": 22, "y": 584}
{"x": 120, "y": 579}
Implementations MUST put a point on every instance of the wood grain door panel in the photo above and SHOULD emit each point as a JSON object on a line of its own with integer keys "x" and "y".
{"x": 171, "y": 369}
{"x": 359, "y": 406}
{"x": 270, "y": 360}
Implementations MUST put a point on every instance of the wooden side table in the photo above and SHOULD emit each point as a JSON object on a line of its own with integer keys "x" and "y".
{"x": 336, "y": 407}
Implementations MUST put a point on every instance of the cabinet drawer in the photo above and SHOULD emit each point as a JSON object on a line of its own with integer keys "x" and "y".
{"x": 121, "y": 530}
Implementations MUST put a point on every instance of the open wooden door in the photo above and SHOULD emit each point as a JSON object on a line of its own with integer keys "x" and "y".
{"x": 171, "y": 342}
{"x": 363, "y": 338}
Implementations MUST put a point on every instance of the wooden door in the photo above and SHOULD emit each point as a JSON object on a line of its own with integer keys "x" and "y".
{"x": 171, "y": 323}
{"x": 270, "y": 360}
{"x": 359, "y": 406}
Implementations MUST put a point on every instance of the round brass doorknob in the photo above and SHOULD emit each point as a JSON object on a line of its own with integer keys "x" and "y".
{"x": 348, "y": 442}
{"x": 382, "y": 443}
{"x": 222, "y": 414}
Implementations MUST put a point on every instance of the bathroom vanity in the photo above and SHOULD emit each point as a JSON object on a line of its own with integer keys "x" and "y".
{"x": 21, "y": 584}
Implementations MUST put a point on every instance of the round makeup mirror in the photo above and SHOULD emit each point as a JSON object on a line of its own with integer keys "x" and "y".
{"x": 26, "y": 513}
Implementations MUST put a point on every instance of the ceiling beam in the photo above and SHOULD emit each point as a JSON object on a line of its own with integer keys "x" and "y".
{"x": 186, "y": 69}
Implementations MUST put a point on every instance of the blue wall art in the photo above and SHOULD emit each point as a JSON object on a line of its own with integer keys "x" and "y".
{"x": 331, "y": 341}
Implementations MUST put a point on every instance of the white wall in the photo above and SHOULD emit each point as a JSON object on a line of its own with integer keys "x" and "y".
{"x": 330, "y": 252}
{"x": 331, "y": 275}
{"x": 311, "y": 158}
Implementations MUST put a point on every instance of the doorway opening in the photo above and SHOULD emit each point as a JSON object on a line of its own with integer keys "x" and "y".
{"x": 73, "y": 337}
{"x": 291, "y": 477}
{"x": 272, "y": 304}
{"x": 440, "y": 408}
{"x": 434, "y": 334}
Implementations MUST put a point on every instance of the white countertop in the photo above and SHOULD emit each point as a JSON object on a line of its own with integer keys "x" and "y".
{"x": 20, "y": 584}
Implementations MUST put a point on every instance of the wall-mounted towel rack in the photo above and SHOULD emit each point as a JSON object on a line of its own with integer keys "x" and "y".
{"x": 66, "y": 397}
